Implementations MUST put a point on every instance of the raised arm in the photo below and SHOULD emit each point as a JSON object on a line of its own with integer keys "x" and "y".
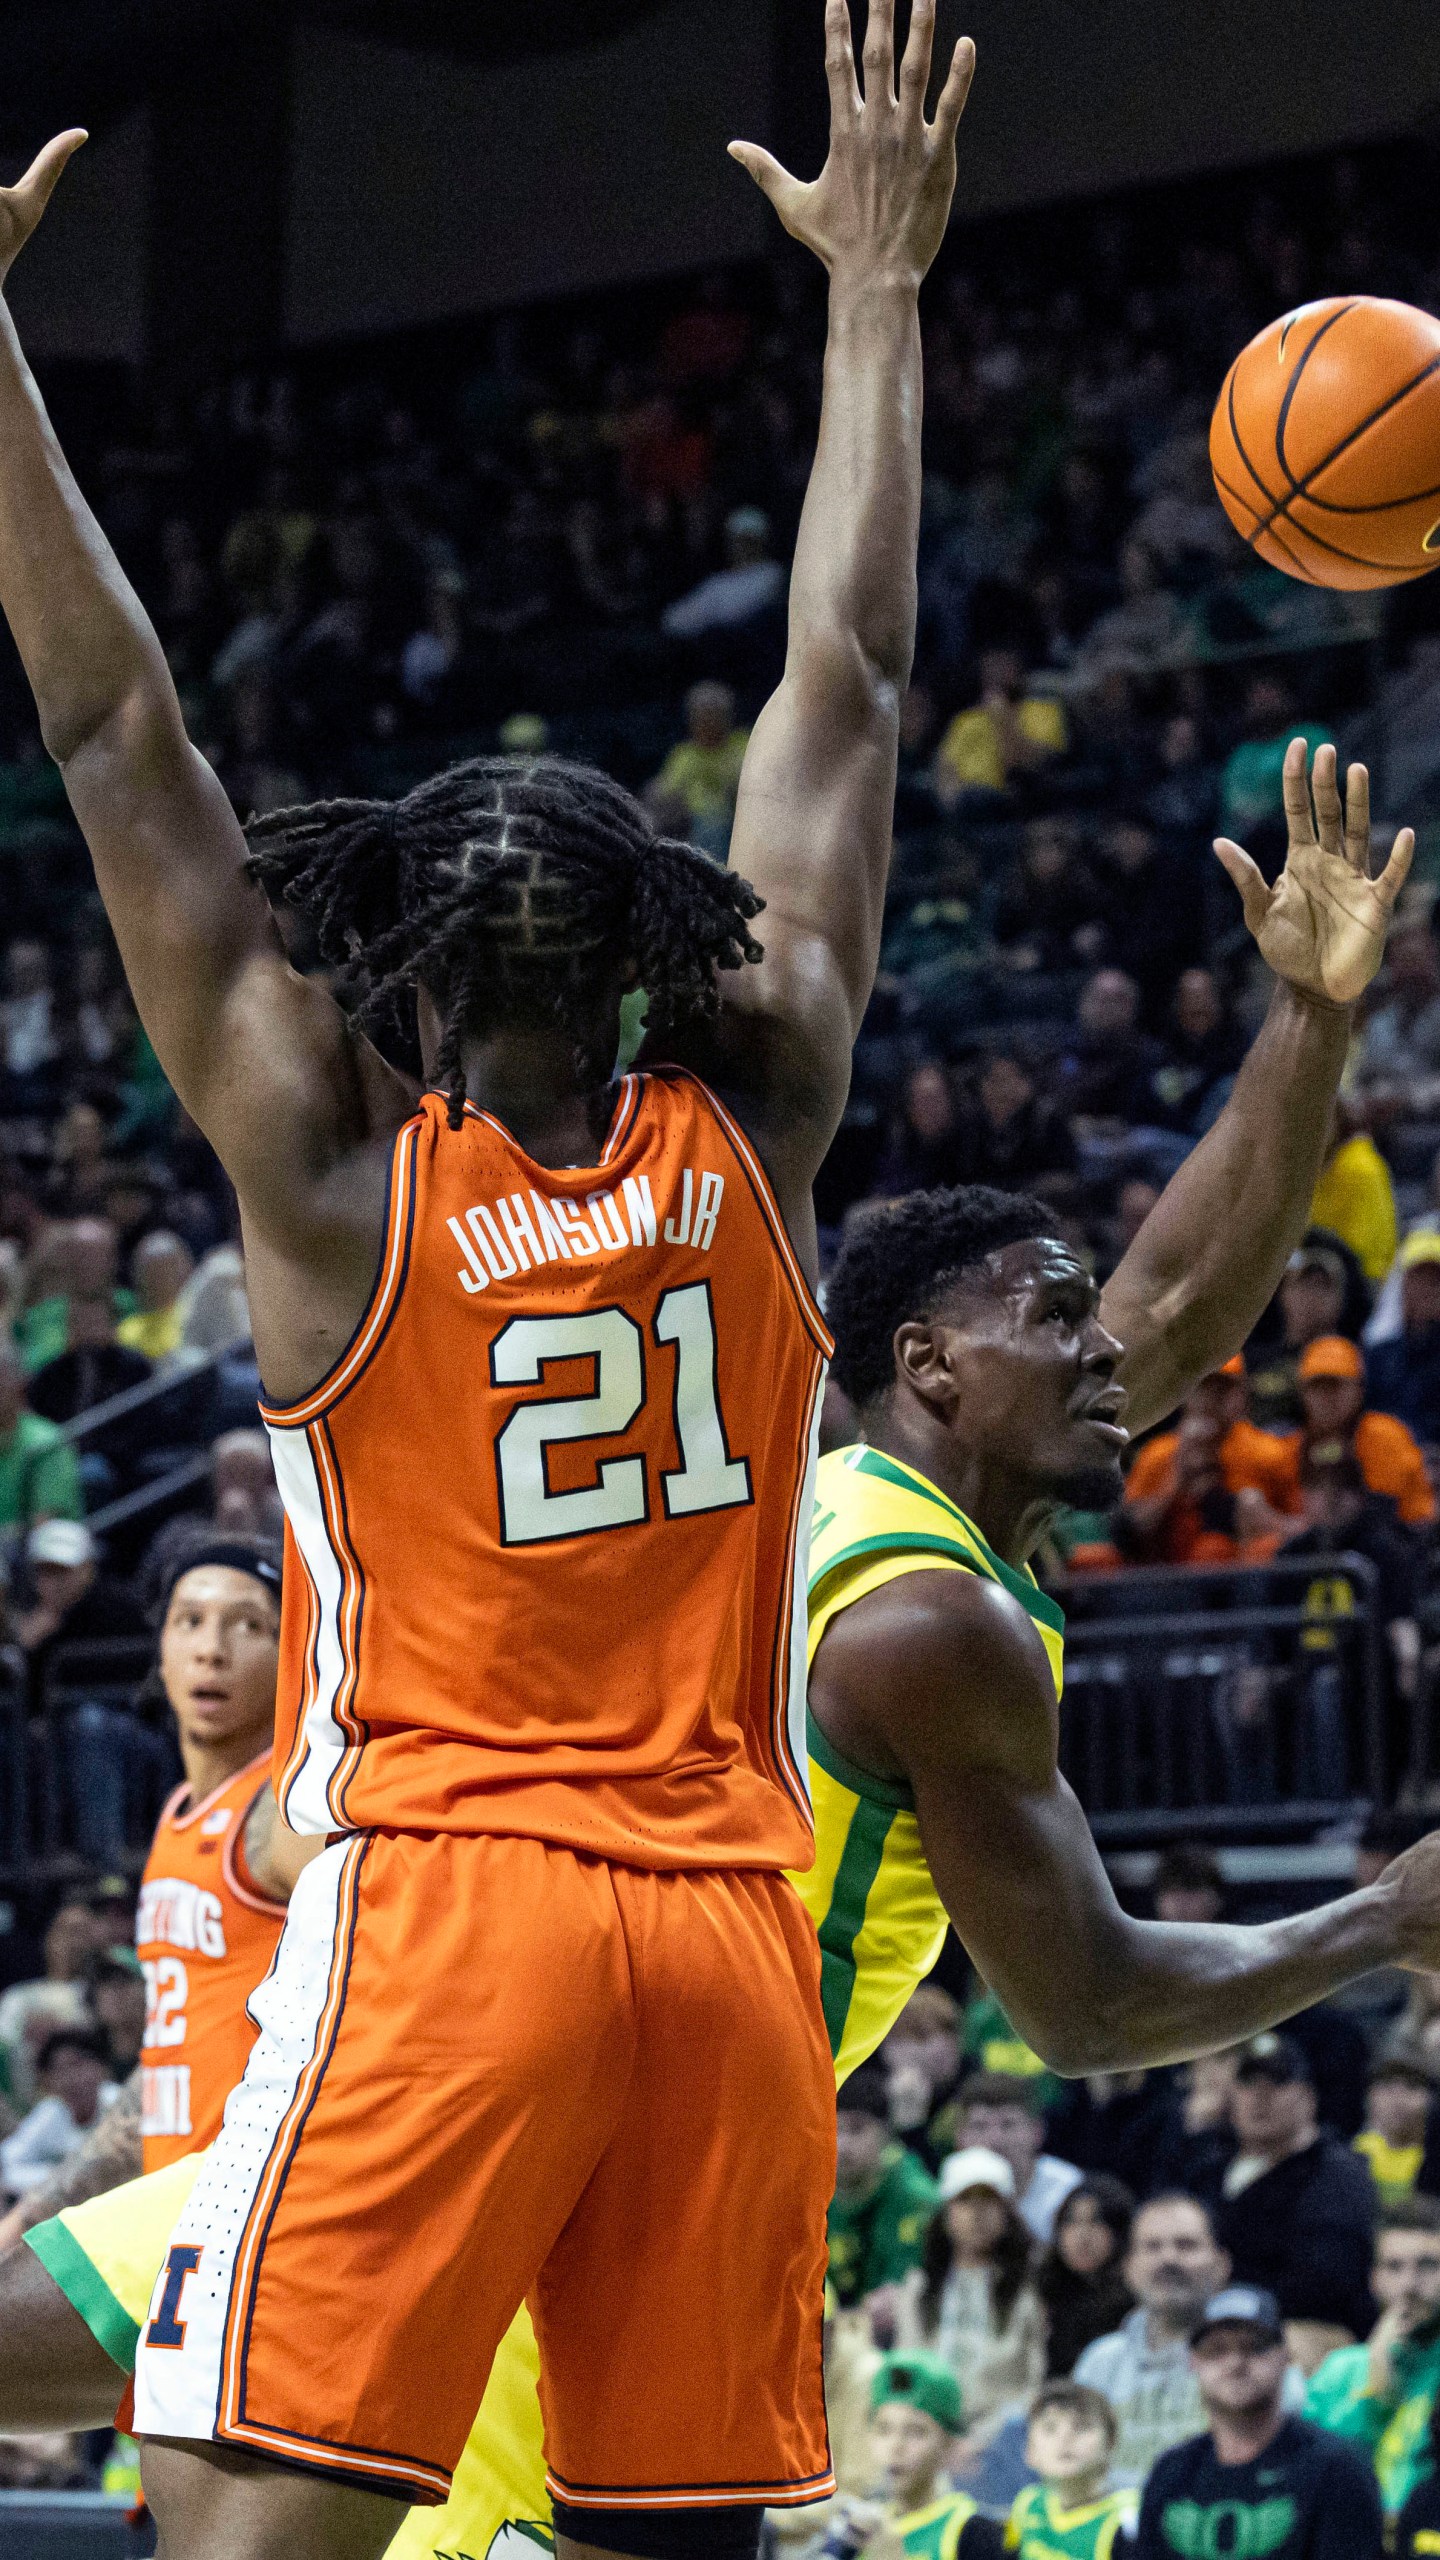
{"x": 1206, "y": 1263}
{"x": 940, "y": 1679}
{"x": 260, "y": 1057}
{"x": 816, "y": 804}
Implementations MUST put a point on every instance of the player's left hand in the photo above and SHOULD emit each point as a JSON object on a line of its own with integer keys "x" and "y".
{"x": 1323, "y": 925}
{"x": 880, "y": 204}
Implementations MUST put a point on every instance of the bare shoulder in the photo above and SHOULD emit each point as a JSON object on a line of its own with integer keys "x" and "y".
{"x": 935, "y": 1665}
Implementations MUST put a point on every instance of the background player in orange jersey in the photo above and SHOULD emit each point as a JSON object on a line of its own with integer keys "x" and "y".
{"x": 545, "y": 1374}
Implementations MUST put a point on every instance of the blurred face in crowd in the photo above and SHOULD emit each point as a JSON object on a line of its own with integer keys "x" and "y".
{"x": 77, "y": 2079}
{"x": 977, "y": 2222}
{"x": 859, "y": 2144}
{"x": 1109, "y": 1003}
{"x": 929, "y": 1107}
{"x": 1001, "y": 673}
{"x": 59, "y": 1586}
{"x": 1209, "y": 2086}
{"x": 161, "y": 1268}
{"x": 27, "y": 969}
{"x": 219, "y": 1657}
{"x": 1179, "y": 742}
{"x": 1310, "y": 1303}
{"x": 1410, "y": 960}
{"x": 1189, "y": 1902}
{"x": 80, "y": 1139}
{"x": 71, "y": 1938}
{"x": 1047, "y": 850}
{"x": 1084, "y": 2240}
{"x": 1240, "y": 2371}
{"x": 118, "y": 2000}
{"x": 1136, "y": 1201}
{"x": 1328, "y": 1501}
{"x": 1397, "y": 2106}
{"x": 1331, "y": 1405}
{"x": 1272, "y": 2118}
{"x": 1218, "y": 1400}
{"x": 909, "y": 2451}
{"x": 710, "y": 714}
{"x": 242, "y": 1475}
{"x": 1005, "y": 1088}
{"x": 87, "y": 1259}
{"x": 1012, "y": 2130}
{"x": 1128, "y": 847}
{"x": 1067, "y": 2444}
{"x": 1172, "y": 2265}
{"x": 1406, "y": 2276}
{"x": 1197, "y": 1009}
{"x": 1420, "y": 1297}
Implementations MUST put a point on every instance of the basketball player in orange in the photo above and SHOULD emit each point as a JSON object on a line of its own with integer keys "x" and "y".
{"x": 544, "y": 1370}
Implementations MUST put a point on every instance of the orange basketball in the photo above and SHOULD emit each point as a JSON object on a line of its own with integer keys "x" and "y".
{"x": 1325, "y": 443}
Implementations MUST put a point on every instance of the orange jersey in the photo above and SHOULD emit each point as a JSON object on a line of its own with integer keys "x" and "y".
{"x": 205, "y": 1935}
{"x": 547, "y": 1516}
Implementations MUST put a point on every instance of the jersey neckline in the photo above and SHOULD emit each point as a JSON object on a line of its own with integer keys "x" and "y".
{"x": 627, "y": 1099}
{"x": 182, "y": 1821}
{"x": 1019, "y": 1581}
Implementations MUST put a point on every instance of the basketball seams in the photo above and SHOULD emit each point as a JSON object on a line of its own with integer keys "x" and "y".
{"x": 1292, "y": 386}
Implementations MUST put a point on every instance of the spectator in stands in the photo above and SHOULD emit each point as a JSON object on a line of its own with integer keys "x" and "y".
{"x": 1198, "y": 2144}
{"x": 1193, "y": 1495}
{"x": 1416, "y": 2529}
{"x": 1080, "y": 2278}
{"x": 1146, "y": 629}
{"x": 916, "y": 2417}
{"x": 1393, "y": 2141}
{"x": 161, "y": 1266}
{"x": 1115, "y": 2122}
{"x": 1400, "y": 1044}
{"x": 1267, "y": 2482}
{"x": 751, "y": 583}
{"x": 1250, "y": 783}
{"x": 39, "y": 1479}
{"x": 702, "y": 773}
{"x": 971, "y": 2301}
{"x": 77, "y": 1264}
{"x": 1355, "y": 1197}
{"x": 116, "y": 1989}
{"x": 1189, "y": 1883}
{"x": 1051, "y": 907}
{"x": 1008, "y": 733}
{"x": 29, "y": 1031}
{"x": 1297, "y": 2213}
{"x": 923, "y": 1153}
{"x": 1342, "y": 1516}
{"x": 1104, "y": 1077}
{"x": 1323, "y": 1292}
{"x": 56, "y": 1998}
{"x": 1403, "y": 1372}
{"x": 113, "y": 1759}
{"x": 1205, "y": 1048}
{"x": 1007, "y": 1134}
{"x": 94, "y": 1368}
{"x": 1069, "y": 2508}
{"x": 921, "y": 2056}
{"x": 884, "y": 2199}
{"x": 1173, "y": 2265}
{"x": 1331, "y": 1373}
{"x": 1152, "y": 904}
{"x": 75, "y": 2088}
{"x": 1382, "y": 2396}
{"x": 1000, "y": 2111}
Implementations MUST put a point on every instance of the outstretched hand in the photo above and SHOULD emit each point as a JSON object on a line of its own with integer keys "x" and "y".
{"x": 880, "y": 204}
{"x": 1323, "y": 925}
{"x": 22, "y": 205}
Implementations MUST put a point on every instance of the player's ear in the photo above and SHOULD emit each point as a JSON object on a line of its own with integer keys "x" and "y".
{"x": 923, "y": 1363}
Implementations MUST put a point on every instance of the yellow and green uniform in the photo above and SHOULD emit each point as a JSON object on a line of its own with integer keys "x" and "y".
{"x": 1042, "y": 2527}
{"x": 934, "y": 2532}
{"x": 1394, "y": 2166}
{"x": 880, "y": 1923}
{"x": 880, "y": 1920}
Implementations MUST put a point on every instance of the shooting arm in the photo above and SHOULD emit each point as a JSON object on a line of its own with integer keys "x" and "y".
{"x": 941, "y": 1678}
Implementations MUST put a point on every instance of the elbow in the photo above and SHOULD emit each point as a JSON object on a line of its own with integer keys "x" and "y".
{"x": 118, "y": 725}
{"x": 1079, "y": 2044}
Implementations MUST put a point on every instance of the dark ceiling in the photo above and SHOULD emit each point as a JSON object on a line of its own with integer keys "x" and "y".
{"x": 82, "y": 61}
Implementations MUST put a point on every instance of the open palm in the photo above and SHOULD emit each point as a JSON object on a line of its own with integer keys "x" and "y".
{"x": 1323, "y": 925}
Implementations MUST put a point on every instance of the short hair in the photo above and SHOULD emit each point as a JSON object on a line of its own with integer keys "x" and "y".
{"x": 1409, "y": 2213}
{"x": 1001, "y": 2089}
{"x": 510, "y": 886}
{"x": 865, "y": 2093}
{"x": 1082, "y": 2401}
{"x": 1178, "y": 2195}
{"x": 898, "y": 1259}
{"x": 1188, "y": 1868}
{"x": 85, "y": 2040}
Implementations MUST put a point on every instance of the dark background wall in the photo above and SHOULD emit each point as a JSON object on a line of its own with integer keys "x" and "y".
{"x": 302, "y": 180}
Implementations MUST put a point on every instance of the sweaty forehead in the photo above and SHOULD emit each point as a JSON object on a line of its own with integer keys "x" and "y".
{"x": 1038, "y": 1262}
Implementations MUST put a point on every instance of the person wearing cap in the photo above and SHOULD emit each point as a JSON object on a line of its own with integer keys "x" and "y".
{"x": 1297, "y": 2208}
{"x": 111, "y": 1758}
{"x": 751, "y": 583}
{"x": 1403, "y": 1372}
{"x": 1194, "y": 1493}
{"x": 884, "y": 2197}
{"x": 1260, "y": 2484}
{"x": 916, "y": 2421}
{"x": 1382, "y": 2396}
{"x": 972, "y": 2301}
{"x": 1002, "y": 2111}
{"x": 1331, "y": 1372}
{"x": 1322, "y": 1290}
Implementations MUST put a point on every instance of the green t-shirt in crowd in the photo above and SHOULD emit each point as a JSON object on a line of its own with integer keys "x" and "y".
{"x": 1250, "y": 785}
{"x": 1042, "y": 2527}
{"x": 1393, "y": 2432}
{"x": 39, "y": 1477}
{"x": 43, "y": 1330}
{"x": 879, "y": 2240}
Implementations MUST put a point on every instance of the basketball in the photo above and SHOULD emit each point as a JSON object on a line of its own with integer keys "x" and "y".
{"x": 1325, "y": 443}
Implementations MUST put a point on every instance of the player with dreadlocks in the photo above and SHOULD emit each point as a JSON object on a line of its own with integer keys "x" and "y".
{"x": 543, "y": 1370}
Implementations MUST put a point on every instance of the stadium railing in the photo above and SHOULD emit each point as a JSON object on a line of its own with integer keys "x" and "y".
{"x": 1207, "y": 1701}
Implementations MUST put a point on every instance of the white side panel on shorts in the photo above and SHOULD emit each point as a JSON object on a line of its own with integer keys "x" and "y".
{"x": 799, "y": 1663}
{"x": 306, "y": 1805}
{"x": 177, "y": 2389}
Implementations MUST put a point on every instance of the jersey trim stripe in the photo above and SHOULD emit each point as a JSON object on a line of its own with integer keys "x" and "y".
{"x": 620, "y": 1126}
{"x": 385, "y": 1297}
{"x": 327, "y": 1735}
{"x": 351, "y": 1613}
{"x": 232, "y": 1857}
{"x": 85, "y": 2289}
{"x": 622, "y": 1118}
{"x": 790, "y": 1665}
{"x": 860, "y": 1864}
{"x": 769, "y": 1206}
{"x": 874, "y": 1462}
{"x": 694, "y": 2493}
{"x": 172, "y": 1820}
{"x": 891, "y": 1794}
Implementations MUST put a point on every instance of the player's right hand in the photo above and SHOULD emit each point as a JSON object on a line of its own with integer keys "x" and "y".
{"x": 22, "y": 205}
{"x": 879, "y": 207}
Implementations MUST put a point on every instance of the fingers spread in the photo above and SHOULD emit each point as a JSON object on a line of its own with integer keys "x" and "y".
{"x": 840, "y": 60}
{"x": 950, "y": 105}
{"x": 879, "y": 54}
{"x": 1325, "y": 785}
{"x": 915, "y": 62}
{"x": 1298, "y": 813}
{"x": 1397, "y": 870}
{"x": 1255, "y": 897}
{"x": 1357, "y": 819}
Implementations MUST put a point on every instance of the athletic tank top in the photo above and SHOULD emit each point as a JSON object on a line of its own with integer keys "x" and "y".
{"x": 881, "y": 1922}
{"x": 205, "y": 1935}
{"x": 547, "y": 1517}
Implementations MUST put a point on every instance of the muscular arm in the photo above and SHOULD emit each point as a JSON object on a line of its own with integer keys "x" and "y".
{"x": 1206, "y": 1262}
{"x": 816, "y": 803}
{"x": 940, "y": 1678}
{"x": 109, "y": 2154}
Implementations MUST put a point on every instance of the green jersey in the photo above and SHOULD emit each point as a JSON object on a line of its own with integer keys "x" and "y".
{"x": 880, "y": 2239}
{"x": 1042, "y": 2527}
{"x": 1394, "y": 2432}
{"x": 39, "y": 1477}
{"x": 933, "y": 2532}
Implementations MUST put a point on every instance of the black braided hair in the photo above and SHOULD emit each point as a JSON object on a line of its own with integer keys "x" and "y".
{"x": 508, "y": 886}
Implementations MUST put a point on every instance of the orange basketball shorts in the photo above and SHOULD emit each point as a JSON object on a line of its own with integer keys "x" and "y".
{"x": 492, "y": 2070}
